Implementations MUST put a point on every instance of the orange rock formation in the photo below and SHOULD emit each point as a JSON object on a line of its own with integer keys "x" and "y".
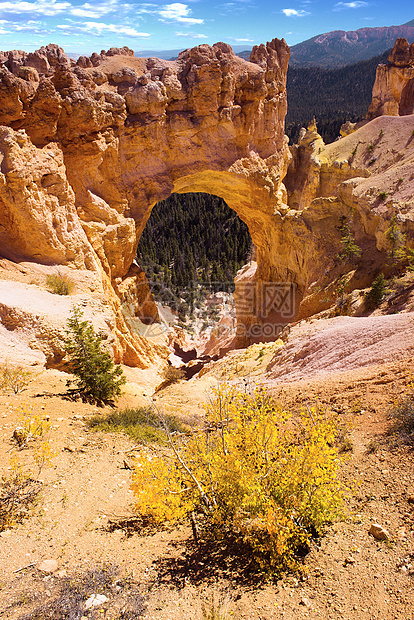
{"x": 393, "y": 91}
{"x": 88, "y": 149}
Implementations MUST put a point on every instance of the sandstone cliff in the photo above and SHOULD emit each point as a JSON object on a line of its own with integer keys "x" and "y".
{"x": 88, "y": 148}
{"x": 393, "y": 91}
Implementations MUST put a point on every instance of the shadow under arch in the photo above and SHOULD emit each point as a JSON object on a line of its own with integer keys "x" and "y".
{"x": 268, "y": 292}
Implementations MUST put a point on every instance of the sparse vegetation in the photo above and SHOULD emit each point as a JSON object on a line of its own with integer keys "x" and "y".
{"x": 377, "y": 291}
{"x": 372, "y": 447}
{"x": 218, "y": 609}
{"x": 59, "y": 283}
{"x": 350, "y": 250}
{"x": 19, "y": 490}
{"x": 401, "y": 417}
{"x": 253, "y": 472}
{"x": 19, "y": 494}
{"x": 70, "y": 594}
{"x": 142, "y": 424}
{"x": 172, "y": 375}
{"x": 13, "y": 378}
{"x": 97, "y": 379}
{"x": 383, "y": 195}
{"x": 396, "y": 240}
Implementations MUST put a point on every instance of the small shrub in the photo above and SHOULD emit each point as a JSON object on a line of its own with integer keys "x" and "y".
{"x": 253, "y": 472}
{"x": 173, "y": 374}
{"x": 402, "y": 417}
{"x": 19, "y": 491}
{"x": 142, "y": 424}
{"x": 260, "y": 354}
{"x": 59, "y": 283}
{"x": 68, "y": 595}
{"x": 19, "y": 494}
{"x": 97, "y": 379}
{"x": 370, "y": 147}
{"x": 350, "y": 249}
{"x": 13, "y": 378}
{"x": 218, "y": 609}
{"x": 377, "y": 291}
{"x": 345, "y": 445}
{"x": 372, "y": 447}
{"x": 396, "y": 239}
{"x": 382, "y": 195}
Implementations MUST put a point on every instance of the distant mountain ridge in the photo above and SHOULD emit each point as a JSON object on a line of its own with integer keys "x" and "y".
{"x": 339, "y": 48}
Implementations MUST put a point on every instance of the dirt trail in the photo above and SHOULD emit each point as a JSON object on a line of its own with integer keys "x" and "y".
{"x": 86, "y": 510}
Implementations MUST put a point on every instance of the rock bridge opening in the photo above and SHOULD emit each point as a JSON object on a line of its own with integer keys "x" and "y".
{"x": 126, "y": 132}
{"x": 190, "y": 250}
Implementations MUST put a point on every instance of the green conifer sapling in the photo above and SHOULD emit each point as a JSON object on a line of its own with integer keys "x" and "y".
{"x": 97, "y": 379}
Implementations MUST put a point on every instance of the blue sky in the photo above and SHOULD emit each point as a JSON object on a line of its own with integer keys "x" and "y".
{"x": 84, "y": 27}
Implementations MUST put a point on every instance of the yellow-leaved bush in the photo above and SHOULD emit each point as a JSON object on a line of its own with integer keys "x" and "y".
{"x": 253, "y": 471}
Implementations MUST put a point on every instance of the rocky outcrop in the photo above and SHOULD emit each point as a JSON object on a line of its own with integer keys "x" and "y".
{"x": 363, "y": 179}
{"x": 393, "y": 92}
{"x": 91, "y": 147}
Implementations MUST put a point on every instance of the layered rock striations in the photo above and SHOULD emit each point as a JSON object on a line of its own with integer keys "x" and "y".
{"x": 89, "y": 147}
{"x": 393, "y": 92}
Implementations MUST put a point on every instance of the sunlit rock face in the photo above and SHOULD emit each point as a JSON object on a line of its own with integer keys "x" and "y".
{"x": 393, "y": 92}
{"x": 89, "y": 147}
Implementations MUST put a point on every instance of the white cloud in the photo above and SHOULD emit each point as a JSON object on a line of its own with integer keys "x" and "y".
{"x": 42, "y": 7}
{"x": 101, "y": 27}
{"x": 178, "y": 12}
{"x": 2, "y": 31}
{"x": 243, "y": 40}
{"x": 98, "y": 28}
{"x": 94, "y": 10}
{"x": 356, "y": 4}
{"x": 295, "y": 13}
{"x": 191, "y": 35}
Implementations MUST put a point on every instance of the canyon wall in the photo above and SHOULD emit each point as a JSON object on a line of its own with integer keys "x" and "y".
{"x": 88, "y": 148}
{"x": 393, "y": 92}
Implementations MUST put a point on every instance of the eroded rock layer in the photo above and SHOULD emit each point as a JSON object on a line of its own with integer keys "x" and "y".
{"x": 88, "y": 149}
{"x": 393, "y": 92}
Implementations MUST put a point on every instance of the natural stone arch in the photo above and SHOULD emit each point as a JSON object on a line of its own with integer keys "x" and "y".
{"x": 126, "y": 133}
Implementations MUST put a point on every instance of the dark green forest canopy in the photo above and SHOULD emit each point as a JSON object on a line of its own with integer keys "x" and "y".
{"x": 196, "y": 238}
{"x": 333, "y": 96}
{"x": 189, "y": 239}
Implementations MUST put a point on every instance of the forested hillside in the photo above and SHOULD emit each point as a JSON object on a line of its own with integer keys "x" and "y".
{"x": 333, "y": 96}
{"x": 197, "y": 238}
{"x": 189, "y": 239}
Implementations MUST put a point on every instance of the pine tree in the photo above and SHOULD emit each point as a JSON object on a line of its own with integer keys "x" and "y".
{"x": 97, "y": 379}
